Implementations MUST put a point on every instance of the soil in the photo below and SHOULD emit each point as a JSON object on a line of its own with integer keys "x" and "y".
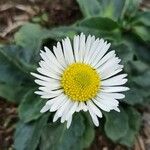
{"x": 48, "y": 13}
{"x": 8, "y": 119}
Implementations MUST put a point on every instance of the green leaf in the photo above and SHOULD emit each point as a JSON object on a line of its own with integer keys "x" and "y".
{"x": 142, "y": 51}
{"x": 13, "y": 73}
{"x": 62, "y": 32}
{"x": 112, "y": 8}
{"x": 59, "y": 33}
{"x": 116, "y": 125}
{"x": 58, "y": 137}
{"x": 13, "y": 93}
{"x": 88, "y": 135}
{"x": 142, "y": 32}
{"x": 27, "y": 136}
{"x": 142, "y": 18}
{"x": 104, "y": 8}
{"x": 140, "y": 48}
{"x": 124, "y": 52}
{"x": 138, "y": 81}
{"x": 124, "y": 126}
{"x": 89, "y": 8}
{"x": 10, "y": 68}
{"x": 99, "y": 23}
{"x": 134, "y": 121}
{"x": 143, "y": 80}
{"x": 30, "y": 107}
{"x": 131, "y": 7}
{"x": 29, "y": 37}
{"x": 133, "y": 96}
{"x": 137, "y": 67}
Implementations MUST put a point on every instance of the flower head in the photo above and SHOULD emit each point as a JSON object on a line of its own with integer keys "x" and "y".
{"x": 80, "y": 75}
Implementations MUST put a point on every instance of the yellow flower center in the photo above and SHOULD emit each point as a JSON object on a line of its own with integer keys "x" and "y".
{"x": 80, "y": 82}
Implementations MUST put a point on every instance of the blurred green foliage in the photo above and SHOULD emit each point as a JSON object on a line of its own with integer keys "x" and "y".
{"x": 118, "y": 21}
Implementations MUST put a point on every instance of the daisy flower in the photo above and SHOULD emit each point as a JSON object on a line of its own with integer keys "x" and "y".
{"x": 80, "y": 75}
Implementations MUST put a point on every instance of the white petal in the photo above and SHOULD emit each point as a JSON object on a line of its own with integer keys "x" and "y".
{"x": 94, "y": 108}
{"x": 107, "y": 98}
{"x": 72, "y": 110}
{"x": 111, "y": 83}
{"x": 50, "y": 67}
{"x": 117, "y": 80}
{"x": 82, "y": 47}
{"x": 69, "y": 122}
{"x": 88, "y": 44}
{"x": 108, "y": 56}
{"x": 45, "y": 108}
{"x": 94, "y": 46}
{"x": 68, "y": 52}
{"x": 103, "y": 48}
{"x": 60, "y": 111}
{"x": 100, "y": 49}
{"x": 49, "y": 85}
{"x": 44, "y": 78}
{"x": 49, "y": 102}
{"x": 115, "y": 89}
{"x": 110, "y": 63}
{"x": 112, "y": 71}
{"x": 48, "y": 90}
{"x": 112, "y": 95}
{"x": 55, "y": 117}
{"x": 85, "y": 107}
{"x": 47, "y": 73}
{"x": 40, "y": 92}
{"x": 96, "y": 53}
{"x": 101, "y": 105}
{"x": 46, "y": 95}
{"x": 117, "y": 109}
{"x": 76, "y": 47}
{"x": 59, "y": 55}
{"x": 58, "y": 103}
{"x": 63, "y": 108}
{"x": 118, "y": 77}
{"x": 109, "y": 70}
{"x": 108, "y": 102}
{"x": 66, "y": 111}
{"x": 94, "y": 118}
{"x": 81, "y": 106}
{"x": 49, "y": 57}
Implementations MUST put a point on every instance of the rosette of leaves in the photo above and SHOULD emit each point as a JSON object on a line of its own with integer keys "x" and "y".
{"x": 118, "y": 21}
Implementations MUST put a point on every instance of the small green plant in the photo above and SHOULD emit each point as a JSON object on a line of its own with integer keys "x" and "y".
{"x": 118, "y": 21}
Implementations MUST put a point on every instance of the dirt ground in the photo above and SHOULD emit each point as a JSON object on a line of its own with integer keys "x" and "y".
{"x": 48, "y": 13}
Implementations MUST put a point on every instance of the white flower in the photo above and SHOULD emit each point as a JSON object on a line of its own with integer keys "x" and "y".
{"x": 80, "y": 75}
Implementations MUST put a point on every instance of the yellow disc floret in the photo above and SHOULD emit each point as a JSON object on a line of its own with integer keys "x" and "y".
{"x": 80, "y": 82}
